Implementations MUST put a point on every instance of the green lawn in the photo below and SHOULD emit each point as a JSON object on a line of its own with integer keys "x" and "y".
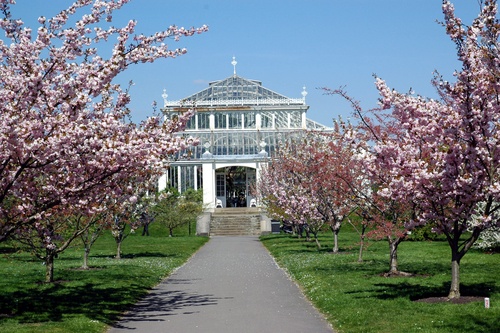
{"x": 356, "y": 298}
{"x": 86, "y": 301}
{"x": 353, "y": 296}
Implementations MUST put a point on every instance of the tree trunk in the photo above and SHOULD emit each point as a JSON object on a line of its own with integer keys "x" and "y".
{"x": 336, "y": 241}
{"x": 335, "y": 228}
{"x": 308, "y": 234}
{"x": 49, "y": 267}
{"x": 171, "y": 232}
{"x": 393, "y": 261}
{"x": 118, "y": 249}
{"x": 457, "y": 255}
{"x": 361, "y": 245}
{"x": 317, "y": 241}
{"x": 86, "y": 253}
{"x": 455, "y": 277}
{"x": 335, "y": 231}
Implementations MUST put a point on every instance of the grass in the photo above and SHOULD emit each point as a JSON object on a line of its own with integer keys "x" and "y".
{"x": 86, "y": 301}
{"x": 354, "y": 296}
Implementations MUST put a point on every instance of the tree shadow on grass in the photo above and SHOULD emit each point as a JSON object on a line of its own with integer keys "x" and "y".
{"x": 8, "y": 250}
{"x": 58, "y": 299}
{"x": 137, "y": 255}
{"x": 269, "y": 237}
{"x": 416, "y": 291}
{"x": 472, "y": 323}
{"x": 103, "y": 304}
{"x": 149, "y": 255}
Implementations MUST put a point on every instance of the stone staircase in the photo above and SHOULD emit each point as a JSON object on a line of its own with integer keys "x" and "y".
{"x": 235, "y": 222}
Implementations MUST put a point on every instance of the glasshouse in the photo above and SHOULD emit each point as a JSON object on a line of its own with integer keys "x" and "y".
{"x": 239, "y": 124}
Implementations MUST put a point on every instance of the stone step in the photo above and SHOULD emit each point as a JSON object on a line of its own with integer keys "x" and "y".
{"x": 235, "y": 221}
{"x": 233, "y": 233}
{"x": 221, "y": 227}
{"x": 234, "y": 227}
{"x": 216, "y": 224}
{"x": 237, "y": 211}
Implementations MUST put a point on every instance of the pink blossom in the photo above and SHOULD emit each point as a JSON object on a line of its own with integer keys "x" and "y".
{"x": 65, "y": 146}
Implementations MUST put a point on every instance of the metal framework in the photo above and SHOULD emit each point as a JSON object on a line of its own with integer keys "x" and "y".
{"x": 237, "y": 121}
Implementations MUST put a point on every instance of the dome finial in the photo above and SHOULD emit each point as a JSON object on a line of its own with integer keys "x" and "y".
{"x": 164, "y": 96}
{"x": 234, "y": 62}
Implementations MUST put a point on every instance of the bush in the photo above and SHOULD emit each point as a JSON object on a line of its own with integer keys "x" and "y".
{"x": 175, "y": 210}
{"x": 424, "y": 233}
{"x": 489, "y": 240}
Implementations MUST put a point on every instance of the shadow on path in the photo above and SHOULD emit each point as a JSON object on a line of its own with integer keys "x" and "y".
{"x": 160, "y": 303}
{"x": 231, "y": 284}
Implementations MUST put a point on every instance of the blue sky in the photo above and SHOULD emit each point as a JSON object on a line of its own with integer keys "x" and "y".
{"x": 288, "y": 44}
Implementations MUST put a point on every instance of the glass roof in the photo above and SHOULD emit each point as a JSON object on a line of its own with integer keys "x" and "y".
{"x": 237, "y": 90}
{"x": 235, "y": 87}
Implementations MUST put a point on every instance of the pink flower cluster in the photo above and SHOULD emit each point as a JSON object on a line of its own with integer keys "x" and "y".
{"x": 65, "y": 143}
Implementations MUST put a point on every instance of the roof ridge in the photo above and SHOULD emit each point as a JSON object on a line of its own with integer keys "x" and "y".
{"x": 235, "y": 87}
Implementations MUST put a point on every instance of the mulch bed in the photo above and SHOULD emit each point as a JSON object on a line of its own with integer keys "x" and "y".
{"x": 458, "y": 300}
{"x": 87, "y": 269}
{"x": 401, "y": 274}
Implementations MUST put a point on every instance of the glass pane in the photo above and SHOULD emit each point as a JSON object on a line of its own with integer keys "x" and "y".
{"x": 267, "y": 120}
{"x": 220, "y": 185}
{"x": 191, "y": 124}
{"x": 295, "y": 119}
{"x": 234, "y": 120}
{"x": 220, "y": 121}
{"x": 203, "y": 120}
{"x": 249, "y": 120}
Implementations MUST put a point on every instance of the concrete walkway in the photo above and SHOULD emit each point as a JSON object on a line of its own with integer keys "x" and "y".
{"x": 231, "y": 284}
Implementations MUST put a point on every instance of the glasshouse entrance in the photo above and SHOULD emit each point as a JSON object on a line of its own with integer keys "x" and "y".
{"x": 238, "y": 123}
{"x": 234, "y": 186}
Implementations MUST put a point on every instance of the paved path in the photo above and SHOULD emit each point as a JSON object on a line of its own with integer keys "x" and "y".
{"x": 231, "y": 284}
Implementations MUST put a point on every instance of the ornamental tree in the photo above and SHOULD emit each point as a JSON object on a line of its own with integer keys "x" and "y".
{"x": 51, "y": 236}
{"x": 314, "y": 176}
{"x": 65, "y": 143}
{"x": 90, "y": 235}
{"x": 489, "y": 240}
{"x": 124, "y": 221}
{"x": 174, "y": 210}
{"x": 388, "y": 218}
{"x": 445, "y": 159}
{"x": 341, "y": 177}
{"x": 285, "y": 189}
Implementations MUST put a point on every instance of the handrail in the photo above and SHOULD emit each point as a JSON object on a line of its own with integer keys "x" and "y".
{"x": 236, "y": 102}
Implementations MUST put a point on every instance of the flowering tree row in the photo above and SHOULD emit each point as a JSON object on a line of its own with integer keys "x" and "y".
{"x": 436, "y": 162}
{"x": 446, "y": 160}
{"x": 66, "y": 147}
{"x": 324, "y": 178}
{"x": 312, "y": 180}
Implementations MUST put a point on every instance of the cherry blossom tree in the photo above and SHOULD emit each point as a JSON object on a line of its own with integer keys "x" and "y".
{"x": 282, "y": 190}
{"x": 51, "y": 236}
{"x": 124, "y": 221}
{"x": 446, "y": 160}
{"x": 341, "y": 178}
{"x": 387, "y": 218}
{"x": 311, "y": 179}
{"x": 64, "y": 138}
{"x": 66, "y": 147}
{"x": 90, "y": 235}
{"x": 489, "y": 240}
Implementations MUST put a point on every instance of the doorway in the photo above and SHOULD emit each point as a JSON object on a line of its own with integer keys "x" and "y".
{"x": 234, "y": 186}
